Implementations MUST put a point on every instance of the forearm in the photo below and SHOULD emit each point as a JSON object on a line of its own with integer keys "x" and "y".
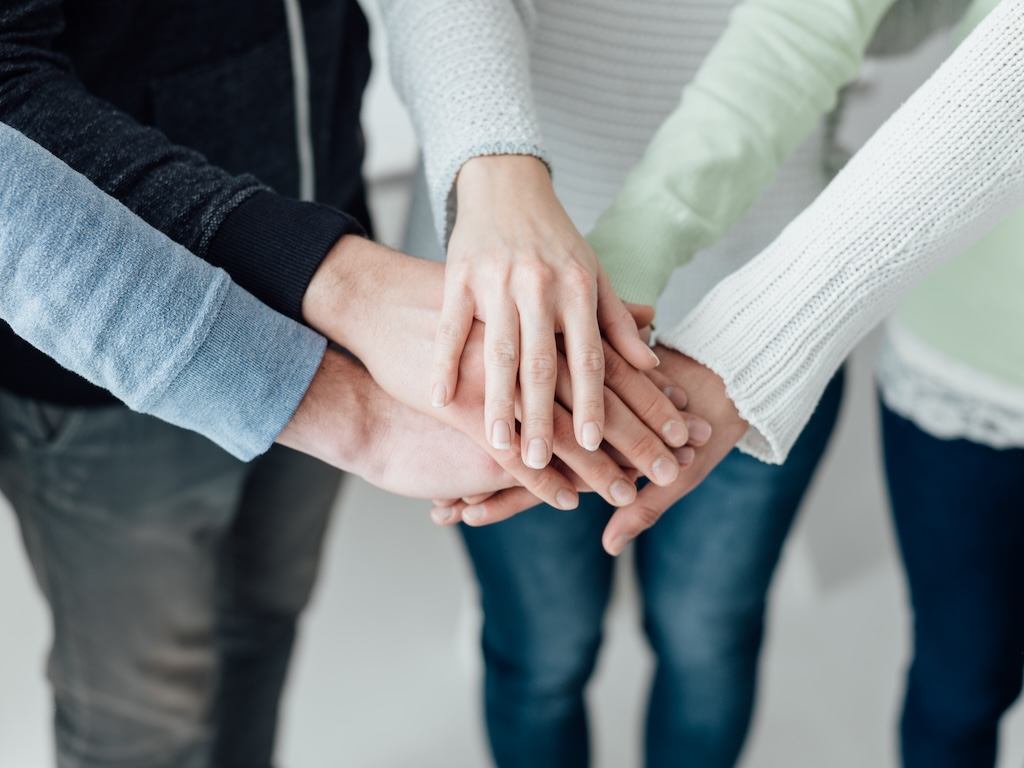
{"x": 762, "y": 89}
{"x": 115, "y": 301}
{"x": 943, "y": 170}
{"x": 462, "y": 69}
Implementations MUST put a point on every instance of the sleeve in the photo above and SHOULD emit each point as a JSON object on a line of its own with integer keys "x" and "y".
{"x": 463, "y": 71}
{"x": 775, "y": 71}
{"x": 271, "y": 245}
{"x": 943, "y": 170}
{"x": 137, "y": 314}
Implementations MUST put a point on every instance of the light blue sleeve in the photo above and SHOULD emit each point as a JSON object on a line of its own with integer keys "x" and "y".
{"x": 107, "y": 296}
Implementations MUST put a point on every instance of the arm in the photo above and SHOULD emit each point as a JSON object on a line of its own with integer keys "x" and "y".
{"x": 937, "y": 176}
{"x": 775, "y": 71}
{"x": 172, "y": 336}
{"x": 940, "y": 173}
{"x": 88, "y": 283}
{"x": 515, "y": 260}
{"x": 270, "y": 245}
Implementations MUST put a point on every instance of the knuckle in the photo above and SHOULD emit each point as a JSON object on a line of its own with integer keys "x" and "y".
{"x": 644, "y": 445}
{"x": 538, "y": 273}
{"x": 449, "y": 332}
{"x": 588, "y": 359}
{"x": 541, "y": 369}
{"x": 647, "y": 516}
{"x": 579, "y": 280}
{"x": 502, "y": 354}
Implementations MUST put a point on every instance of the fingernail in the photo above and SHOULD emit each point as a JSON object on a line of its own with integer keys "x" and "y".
{"x": 439, "y": 395}
{"x": 686, "y": 456}
{"x": 675, "y": 433}
{"x": 442, "y": 515}
{"x": 566, "y": 499}
{"x": 591, "y": 436}
{"x": 537, "y": 453}
{"x": 665, "y": 471}
{"x": 618, "y": 544}
{"x": 473, "y": 514}
{"x": 501, "y": 435}
{"x": 700, "y": 430}
{"x": 623, "y": 492}
{"x": 657, "y": 360}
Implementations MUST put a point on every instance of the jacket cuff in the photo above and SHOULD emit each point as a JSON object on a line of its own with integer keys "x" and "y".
{"x": 272, "y": 245}
{"x": 245, "y": 379}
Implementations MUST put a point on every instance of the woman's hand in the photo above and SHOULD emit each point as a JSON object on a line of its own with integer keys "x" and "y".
{"x": 516, "y": 262}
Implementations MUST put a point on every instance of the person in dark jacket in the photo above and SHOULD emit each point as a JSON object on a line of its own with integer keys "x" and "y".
{"x": 176, "y": 573}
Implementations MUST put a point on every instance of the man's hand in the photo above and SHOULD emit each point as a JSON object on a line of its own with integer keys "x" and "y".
{"x": 348, "y": 421}
{"x": 706, "y": 394}
{"x": 516, "y": 262}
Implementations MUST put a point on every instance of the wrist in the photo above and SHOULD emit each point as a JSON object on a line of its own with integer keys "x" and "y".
{"x": 332, "y": 421}
{"x": 483, "y": 179}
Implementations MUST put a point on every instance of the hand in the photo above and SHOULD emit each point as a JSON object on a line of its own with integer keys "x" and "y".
{"x": 385, "y": 307}
{"x": 348, "y": 421}
{"x": 516, "y": 262}
{"x": 707, "y": 397}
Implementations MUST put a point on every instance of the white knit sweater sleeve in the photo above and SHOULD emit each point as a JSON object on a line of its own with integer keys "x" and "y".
{"x": 941, "y": 172}
{"x": 462, "y": 68}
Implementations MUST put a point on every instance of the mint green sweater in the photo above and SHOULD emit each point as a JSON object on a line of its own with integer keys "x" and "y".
{"x": 972, "y": 309}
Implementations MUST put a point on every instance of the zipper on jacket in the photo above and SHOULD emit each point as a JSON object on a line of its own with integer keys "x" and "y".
{"x": 300, "y": 86}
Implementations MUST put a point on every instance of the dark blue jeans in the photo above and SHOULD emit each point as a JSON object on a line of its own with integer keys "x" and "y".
{"x": 704, "y": 572}
{"x": 959, "y": 513}
{"x": 175, "y": 576}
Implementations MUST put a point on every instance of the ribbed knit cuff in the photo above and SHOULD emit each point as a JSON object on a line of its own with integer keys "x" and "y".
{"x": 272, "y": 246}
{"x": 245, "y": 379}
{"x": 639, "y": 250}
{"x": 443, "y": 197}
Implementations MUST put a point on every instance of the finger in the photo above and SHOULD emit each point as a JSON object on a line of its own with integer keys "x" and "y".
{"x": 547, "y": 484}
{"x": 452, "y": 331}
{"x": 594, "y": 469}
{"x": 669, "y": 388}
{"x": 501, "y": 365}
{"x": 619, "y": 327}
{"x": 537, "y": 371}
{"x": 501, "y": 506}
{"x": 645, "y": 399}
{"x": 636, "y": 445}
{"x": 447, "y": 513}
{"x": 584, "y": 352}
{"x": 643, "y": 314}
{"x": 629, "y": 522}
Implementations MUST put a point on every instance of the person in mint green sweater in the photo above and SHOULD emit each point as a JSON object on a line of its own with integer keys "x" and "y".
{"x": 951, "y": 380}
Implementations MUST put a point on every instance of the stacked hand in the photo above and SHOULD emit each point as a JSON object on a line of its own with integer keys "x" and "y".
{"x": 522, "y": 328}
{"x": 390, "y": 326}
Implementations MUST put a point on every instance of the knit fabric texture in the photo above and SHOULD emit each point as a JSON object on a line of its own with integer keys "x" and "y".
{"x": 92, "y": 285}
{"x": 940, "y": 173}
{"x": 462, "y": 70}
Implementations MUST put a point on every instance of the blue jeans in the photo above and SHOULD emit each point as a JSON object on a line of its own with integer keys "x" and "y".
{"x": 704, "y": 572}
{"x": 959, "y": 513}
{"x": 174, "y": 574}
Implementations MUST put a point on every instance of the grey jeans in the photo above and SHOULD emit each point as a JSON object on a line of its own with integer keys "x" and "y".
{"x": 175, "y": 575}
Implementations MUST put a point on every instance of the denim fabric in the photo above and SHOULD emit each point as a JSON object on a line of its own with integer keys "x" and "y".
{"x": 116, "y": 301}
{"x": 959, "y": 513}
{"x": 704, "y": 571}
{"x": 175, "y": 575}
